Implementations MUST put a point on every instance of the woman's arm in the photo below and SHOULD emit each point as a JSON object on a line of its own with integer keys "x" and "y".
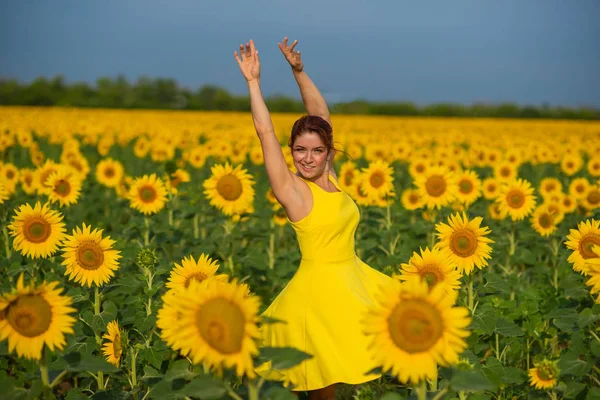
{"x": 311, "y": 97}
{"x": 280, "y": 177}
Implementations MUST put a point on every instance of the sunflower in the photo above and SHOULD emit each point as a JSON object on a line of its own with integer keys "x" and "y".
{"x": 113, "y": 348}
{"x": 256, "y": 155}
{"x": 571, "y": 163}
{"x": 593, "y": 270}
{"x": 229, "y": 189}
{"x": 495, "y": 212}
{"x": 377, "y": 179}
{"x": 190, "y": 270}
{"x": 411, "y": 199}
{"x": 505, "y": 171}
{"x": 544, "y": 374}
{"x": 65, "y": 187}
{"x": 32, "y": 317}
{"x": 413, "y": 330}
{"x": 4, "y": 193}
{"x": 348, "y": 174}
{"x": 418, "y": 167}
{"x": 549, "y": 186}
{"x": 491, "y": 188}
{"x": 271, "y": 197}
{"x": 148, "y": 194}
{"x": 517, "y": 199}
{"x": 42, "y": 174}
{"x": 591, "y": 200}
{"x": 141, "y": 147}
{"x": 197, "y": 157}
{"x": 465, "y": 242}
{"x": 176, "y": 178}
{"x": 10, "y": 175}
{"x": 25, "y": 138}
{"x": 543, "y": 221}
{"x": 279, "y": 215}
{"x": 38, "y": 231}
{"x": 212, "y": 322}
{"x": 109, "y": 172}
{"x": 579, "y": 188}
{"x": 79, "y": 164}
{"x": 437, "y": 186}
{"x": 432, "y": 267}
{"x": 88, "y": 257}
{"x": 593, "y": 165}
{"x": 28, "y": 180}
{"x": 581, "y": 241}
{"x": 568, "y": 203}
{"x": 469, "y": 187}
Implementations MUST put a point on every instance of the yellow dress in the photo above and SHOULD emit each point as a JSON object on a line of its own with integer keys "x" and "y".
{"x": 325, "y": 300}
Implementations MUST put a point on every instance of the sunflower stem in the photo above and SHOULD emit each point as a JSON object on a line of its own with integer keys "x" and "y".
{"x": 100, "y": 380}
{"x": 6, "y": 245}
{"x": 133, "y": 370}
{"x": 252, "y": 391}
{"x": 147, "y": 232}
{"x": 44, "y": 368}
{"x": 203, "y": 227}
{"x": 498, "y": 348}
{"x": 97, "y": 301}
{"x": 196, "y": 227}
{"x": 58, "y": 378}
{"x": 232, "y": 393}
{"x": 421, "y": 390}
{"x": 470, "y": 294}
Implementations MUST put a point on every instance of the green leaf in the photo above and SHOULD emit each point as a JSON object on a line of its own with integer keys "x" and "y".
{"x": 470, "y": 381}
{"x": 507, "y": 328}
{"x": 496, "y": 283}
{"x": 565, "y": 319}
{"x": 168, "y": 390}
{"x": 595, "y": 347}
{"x": 205, "y": 387}
{"x": 76, "y": 362}
{"x": 573, "y": 389}
{"x": 179, "y": 369}
{"x": 391, "y": 396}
{"x": 278, "y": 393}
{"x": 586, "y": 317}
{"x": 151, "y": 373}
{"x": 494, "y": 371}
{"x": 283, "y": 357}
{"x": 75, "y": 394}
{"x": 484, "y": 320}
{"x": 570, "y": 364}
{"x": 593, "y": 394}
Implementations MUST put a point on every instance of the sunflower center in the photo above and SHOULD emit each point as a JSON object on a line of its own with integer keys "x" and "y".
{"x": 348, "y": 178}
{"x": 90, "y": 255}
{"x": 117, "y": 348}
{"x": 570, "y": 164}
{"x": 413, "y": 198}
{"x": 415, "y": 326}
{"x": 587, "y": 243}
{"x": 546, "y": 221}
{"x": 580, "y": 188}
{"x": 377, "y": 179}
{"x": 505, "y": 172}
{"x": 221, "y": 325}
{"x": 37, "y": 230}
{"x": 465, "y": 186}
{"x": 463, "y": 243}
{"x": 29, "y": 315}
{"x": 546, "y": 372}
{"x": 229, "y": 187}
{"x": 431, "y": 274}
{"x": 436, "y": 185}
{"x": 550, "y": 187}
{"x": 594, "y": 197}
{"x": 62, "y": 188}
{"x": 491, "y": 188}
{"x": 198, "y": 276}
{"x": 515, "y": 199}
{"x": 109, "y": 172}
{"x": 10, "y": 174}
{"x": 147, "y": 194}
{"x": 420, "y": 168}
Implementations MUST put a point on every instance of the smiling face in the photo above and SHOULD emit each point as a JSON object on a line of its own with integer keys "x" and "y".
{"x": 310, "y": 155}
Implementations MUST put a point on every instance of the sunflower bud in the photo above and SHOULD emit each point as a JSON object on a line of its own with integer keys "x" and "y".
{"x": 147, "y": 258}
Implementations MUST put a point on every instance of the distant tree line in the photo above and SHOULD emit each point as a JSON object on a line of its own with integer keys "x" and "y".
{"x": 164, "y": 93}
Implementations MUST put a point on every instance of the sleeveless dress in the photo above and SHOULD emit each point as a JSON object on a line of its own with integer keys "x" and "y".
{"x": 324, "y": 302}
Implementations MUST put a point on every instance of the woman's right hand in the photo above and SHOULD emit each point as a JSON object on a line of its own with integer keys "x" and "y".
{"x": 248, "y": 61}
{"x": 293, "y": 57}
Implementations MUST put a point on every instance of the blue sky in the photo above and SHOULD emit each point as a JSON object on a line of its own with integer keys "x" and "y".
{"x": 528, "y": 51}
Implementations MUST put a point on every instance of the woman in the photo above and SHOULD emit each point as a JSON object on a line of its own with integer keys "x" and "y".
{"x": 324, "y": 302}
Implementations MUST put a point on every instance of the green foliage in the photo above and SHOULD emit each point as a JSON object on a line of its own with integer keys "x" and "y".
{"x": 164, "y": 93}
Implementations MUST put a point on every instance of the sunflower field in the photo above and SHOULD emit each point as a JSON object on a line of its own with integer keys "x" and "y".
{"x": 139, "y": 249}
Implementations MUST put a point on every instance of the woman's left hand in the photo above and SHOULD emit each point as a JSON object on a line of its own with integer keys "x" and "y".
{"x": 292, "y": 57}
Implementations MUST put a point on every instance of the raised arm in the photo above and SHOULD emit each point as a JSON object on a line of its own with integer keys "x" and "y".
{"x": 311, "y": 97}
{"x": 282, "y": 180}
